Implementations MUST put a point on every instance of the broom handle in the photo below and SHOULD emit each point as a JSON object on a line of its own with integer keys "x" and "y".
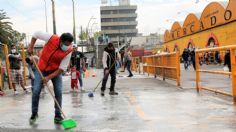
{"x": 102, "y": 78}
{"x": 48, "y": 88}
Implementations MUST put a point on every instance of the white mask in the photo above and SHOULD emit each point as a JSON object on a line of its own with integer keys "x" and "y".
{"x": 13, "y": 50}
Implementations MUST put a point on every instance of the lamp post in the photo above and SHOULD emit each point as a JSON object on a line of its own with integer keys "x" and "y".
{"x": 91, "y": 29}
{"x": 53, "y": 17}
{"x": 181, "y": 12}
{"x": 74, "y": 32}
{"x": 170, "y": 20}
{"x": 87, "y": 32}
{"x": 45, "y": 7}
{"x": 89, "y": 23}
{"x": 197, "y": 1}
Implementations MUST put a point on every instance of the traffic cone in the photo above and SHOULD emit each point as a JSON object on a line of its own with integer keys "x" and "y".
{"x": 1, "y": 93}
{"x": 93, "y": 73}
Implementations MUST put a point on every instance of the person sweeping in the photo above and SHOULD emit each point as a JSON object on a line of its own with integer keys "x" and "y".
{"x": 54, "y": 59}
{"x": 109, "y": 59}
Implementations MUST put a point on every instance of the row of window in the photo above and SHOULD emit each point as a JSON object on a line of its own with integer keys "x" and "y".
{"x": 117, "y": 27}
{"x": 122, "y": 35}
{"x": 118, "y": 12}
{"x": 118, "y": 19}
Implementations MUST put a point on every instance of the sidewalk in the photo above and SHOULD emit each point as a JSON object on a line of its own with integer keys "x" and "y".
{"x": 143, "y": 104}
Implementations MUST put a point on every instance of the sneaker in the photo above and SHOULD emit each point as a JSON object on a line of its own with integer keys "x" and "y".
{"x": 72, "y": 90}
{"x": 33, "y": 118}
{"x": 82, "y": 89}
{"x": 26, "y": 91}
{"x": 130, "y": 76}
{"x": 102, "y": 93}
{"x": 113, "y": 93}
{"x": 58, "y": 119}
{"x": 16, "y": 92}
{"x": 44, "y": 91}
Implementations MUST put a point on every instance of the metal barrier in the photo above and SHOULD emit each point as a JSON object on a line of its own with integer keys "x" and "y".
{"x": 136, "y": 61}
{"x": 23, "y": 62}
{"x": 1, "y": 79}
{"x": 165, "y": 65}
{"x": 8, "y": 66}
{"x": 233, "y": 73}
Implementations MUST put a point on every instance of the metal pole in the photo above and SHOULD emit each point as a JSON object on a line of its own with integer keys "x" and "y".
{"x": 54, "y": 17}
{"x": 74, "y": 32}
{"x": 46, "y": 15}
{"x": 87, "y": 28}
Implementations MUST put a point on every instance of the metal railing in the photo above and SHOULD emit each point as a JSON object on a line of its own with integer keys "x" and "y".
{"x": 136, "y": 62}
{"x": 166, "y": 65}
{"x": 233, "y": 73}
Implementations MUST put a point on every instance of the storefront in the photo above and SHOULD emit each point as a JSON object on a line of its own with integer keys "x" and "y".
{"x": 216, "y": 26}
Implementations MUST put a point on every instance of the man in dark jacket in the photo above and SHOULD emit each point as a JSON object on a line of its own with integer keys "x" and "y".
{"x": 109, "y": 60}
{"x": 185, "y": 57}
{"x": 227, "y": 60}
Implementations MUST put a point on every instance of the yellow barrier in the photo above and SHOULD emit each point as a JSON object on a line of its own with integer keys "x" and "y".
{"x": 1, "y": 86}
{"x": 136, "y": 64}
{"x": 165, "y": 65}
{"x": 233, "y": 69}
{"x": 8, "y": 67}
{"x": 24, "y": 62}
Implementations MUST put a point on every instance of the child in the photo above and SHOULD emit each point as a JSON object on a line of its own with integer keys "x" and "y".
{"x": 74, "y": 78}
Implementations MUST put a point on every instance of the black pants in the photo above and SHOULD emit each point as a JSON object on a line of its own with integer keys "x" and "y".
{"x": 129, "y": 67}
{"x": 113, "y": 80}
{"x": 194, "y": 65}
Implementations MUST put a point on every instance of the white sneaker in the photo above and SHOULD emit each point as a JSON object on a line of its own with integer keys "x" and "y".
{"x": 76, "y": 90}
{"x": 72, "y": 90}
{"x": 82, "y": 89}
{"x": 44, "y": 91}
{"x": 26, "y": 91}
{"x": 16, "y": 92}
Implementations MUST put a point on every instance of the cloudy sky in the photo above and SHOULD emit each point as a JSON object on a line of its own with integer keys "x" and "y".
{"x": 153, "y": 15}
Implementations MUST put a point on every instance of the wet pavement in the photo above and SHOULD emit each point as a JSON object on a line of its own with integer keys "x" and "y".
{"x": 143, "y": 104}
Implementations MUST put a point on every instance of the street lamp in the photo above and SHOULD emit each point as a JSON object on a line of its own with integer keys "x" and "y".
{"x": 91, "y": 29}
{"x": 53, "y": 17}
{"x": 87, "y": 28}
{"x": 170, "y": 20}
{"x": 180, "y": 12}
{"x": 45, "y": 5}
{"x": 74, "y": 32}
{"x": 197, "y": 1}
{"x": 89, "y": 23}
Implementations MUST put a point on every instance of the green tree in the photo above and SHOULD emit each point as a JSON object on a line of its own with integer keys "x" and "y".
{"x": 83, "y": 34}
{"x": 7, "y": 34}
{"x": 5, "y": 27}
{"x": 97, "y": 34}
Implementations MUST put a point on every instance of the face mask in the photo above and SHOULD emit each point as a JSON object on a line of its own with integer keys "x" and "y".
{"x": 64, "y": 47}
{"x": 13, "y": 50}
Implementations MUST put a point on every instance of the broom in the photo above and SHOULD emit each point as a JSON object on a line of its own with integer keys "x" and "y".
{"x": 66, "y": 123}
{"x": 90, "y": 94}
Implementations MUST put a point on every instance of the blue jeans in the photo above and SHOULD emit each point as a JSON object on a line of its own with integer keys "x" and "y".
{"x": 81, "y": 78}
{"x": 57, "y": 84}
{"x": 129, "y": 62}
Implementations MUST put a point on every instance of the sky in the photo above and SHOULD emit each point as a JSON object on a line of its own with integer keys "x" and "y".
{"x": 154, "y": 16}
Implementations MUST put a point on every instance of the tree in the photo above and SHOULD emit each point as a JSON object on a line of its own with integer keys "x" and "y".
{"x": 5, "y": 27}
{"x": 7, "y": 34}
{"x": 83, "y": 34}
{"x": 97, "y": 34}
